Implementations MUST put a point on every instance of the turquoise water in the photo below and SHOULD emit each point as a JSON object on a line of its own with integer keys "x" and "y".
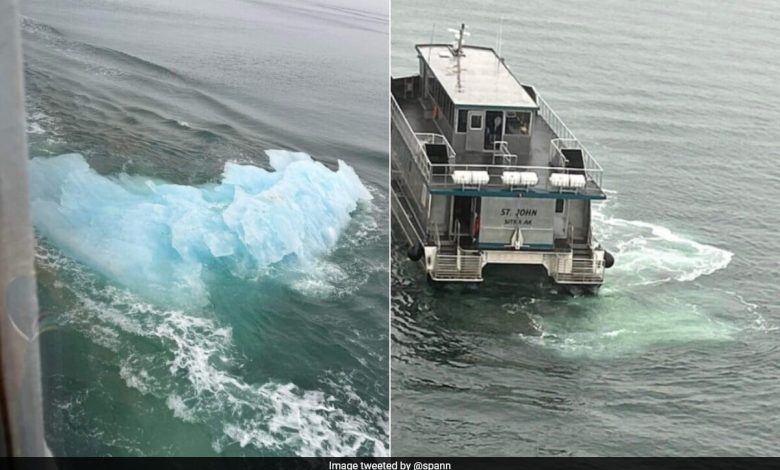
{"x": 678, "y": 354}
{"x": 210, "y": 210}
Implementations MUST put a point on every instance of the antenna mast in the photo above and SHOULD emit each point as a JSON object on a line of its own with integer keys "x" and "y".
{"x": 460, "y": 38}
{"x": 500, "y": 34}
{"x": 457, "y": 48}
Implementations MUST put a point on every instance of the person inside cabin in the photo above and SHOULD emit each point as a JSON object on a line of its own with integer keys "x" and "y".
{"x": 497, "y": 128}
{"x": 493, "y": 131}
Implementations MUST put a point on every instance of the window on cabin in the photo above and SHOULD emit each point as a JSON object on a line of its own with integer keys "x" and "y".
{"x": 463, "y": 117}
{"x": 518, "y": 122}
{"x": 476, "y": 121}
{"x": 559, "y": 206}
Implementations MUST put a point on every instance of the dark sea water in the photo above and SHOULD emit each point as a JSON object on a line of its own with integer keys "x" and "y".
{"x": 193, "y": 302}
{"x": 679, "y": 353}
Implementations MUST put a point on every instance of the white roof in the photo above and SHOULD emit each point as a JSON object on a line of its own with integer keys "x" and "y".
{"x": 484, "y": 80}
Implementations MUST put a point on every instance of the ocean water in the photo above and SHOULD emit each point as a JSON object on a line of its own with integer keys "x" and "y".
{"x": 209, "y": 195}
{"x": 678, "y": 354}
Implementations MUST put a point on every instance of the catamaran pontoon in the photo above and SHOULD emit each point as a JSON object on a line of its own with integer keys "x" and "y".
{"x": 484, "y": 172}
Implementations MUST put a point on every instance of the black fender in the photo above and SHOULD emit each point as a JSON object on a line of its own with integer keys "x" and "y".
{"x": 416, "y": 252}
{"x": 609, "y": 260}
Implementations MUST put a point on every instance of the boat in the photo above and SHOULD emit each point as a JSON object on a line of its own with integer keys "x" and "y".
{"x": 485, "y": 173}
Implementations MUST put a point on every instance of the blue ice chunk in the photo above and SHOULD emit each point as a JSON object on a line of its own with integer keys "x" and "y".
{"x": 156, "y": 237}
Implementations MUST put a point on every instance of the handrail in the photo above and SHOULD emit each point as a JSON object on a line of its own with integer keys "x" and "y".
{"x": 409, "y": 137}
{"x": 412, "y": 222}
{"x": 441, "y": 176}
{"x": 566, "y": 137}
{"x": 591, "y": 167}
{"x": 457, "y": 244}
{"x": 415, "y": 142}
{"x": 501, "y": 150}
{"x": 553, "y": 120}
{"x": 501, "y": 147}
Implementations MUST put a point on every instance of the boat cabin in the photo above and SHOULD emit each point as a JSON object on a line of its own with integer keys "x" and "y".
{"x": 481, "y": 163}
{"x": 477, "y": 104}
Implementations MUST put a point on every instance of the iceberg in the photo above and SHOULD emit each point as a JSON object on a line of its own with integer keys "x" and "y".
{"x": 157, "y": 238}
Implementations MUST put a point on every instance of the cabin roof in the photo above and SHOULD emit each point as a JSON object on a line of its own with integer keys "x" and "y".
{"x": 484, "y": 80}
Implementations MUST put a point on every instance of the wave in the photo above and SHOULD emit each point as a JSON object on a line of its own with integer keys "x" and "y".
{"x": 190, "y": 365}
{"x": 647, "y": 253}
{"x": 619, "y": 324}
{"x": 157, "y": 238}
{"x": 631, "y": 314}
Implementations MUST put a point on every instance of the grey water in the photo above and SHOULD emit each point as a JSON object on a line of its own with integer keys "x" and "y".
{"x": 198, "y": 298}
{"x": 678, "y": 354}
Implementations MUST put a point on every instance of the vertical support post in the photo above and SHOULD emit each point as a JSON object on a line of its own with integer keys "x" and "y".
{"x": 20, "y": 387}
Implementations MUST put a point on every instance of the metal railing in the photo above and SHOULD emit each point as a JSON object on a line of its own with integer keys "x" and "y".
{"x": 567, "y": 140}
{"x": 553, "y": 120}
{"x": 589, "y": 272}
{"x": 577, "y": 270}
{"x": 501, "y": 150}
{"x": 439, "y": 176}
{"x": 410, "y": 139}
{"x": 591, "y": 168}
{"x": 408, "y": 220}
{"x": 436, "y": 139}
{"x": 460, "y": 267}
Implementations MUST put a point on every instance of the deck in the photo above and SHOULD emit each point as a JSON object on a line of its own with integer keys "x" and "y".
{"x": 537, "y": 161}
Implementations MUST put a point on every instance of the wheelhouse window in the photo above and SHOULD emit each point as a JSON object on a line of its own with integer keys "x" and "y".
{"x": 559, "y": 206}
{"x": 518, "y": 122}
{"x": 476, "y": 121}
{"x": 463, "y": 116}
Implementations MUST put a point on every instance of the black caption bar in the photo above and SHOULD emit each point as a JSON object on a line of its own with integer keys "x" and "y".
{"x": 399, "y": 463}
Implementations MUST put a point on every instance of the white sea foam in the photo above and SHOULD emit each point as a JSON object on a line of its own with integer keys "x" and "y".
{"x": 35, "y": 128}
{"x": 323, "y": 280}
{"x": 180, "y": 409}
{"x": 622, "y": 326}
{"x": 35, "y": 119}
{"x": 633, "y": 313}
{"x": 156, "y": 238}
{"x": 647, "y": 253}
{"x": 191, "y": 372}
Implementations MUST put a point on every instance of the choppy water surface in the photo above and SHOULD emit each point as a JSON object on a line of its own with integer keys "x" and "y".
{"x": 678, "y": 354}
{"x": 204, "y": 291}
